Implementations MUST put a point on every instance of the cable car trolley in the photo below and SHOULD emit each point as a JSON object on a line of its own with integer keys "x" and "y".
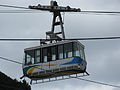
{"x": 57, "y": 57}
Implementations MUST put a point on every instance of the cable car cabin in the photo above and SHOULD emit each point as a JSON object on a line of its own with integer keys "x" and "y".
{"x": 54, "y": 59}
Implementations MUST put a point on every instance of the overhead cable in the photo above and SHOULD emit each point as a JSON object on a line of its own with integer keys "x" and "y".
{"x": 101, "y": 12}
{"x": 98, "y": 82}
{"x": 14, "y": 6}
{"x": 39, "y": 39}
{"x": 82, "y": 12}
{"x": 6, "y": 59}
{"x": 20, "y": 11}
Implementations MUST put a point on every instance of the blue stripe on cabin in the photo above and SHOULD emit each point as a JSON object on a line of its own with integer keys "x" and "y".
{"x": 76, "y": 60}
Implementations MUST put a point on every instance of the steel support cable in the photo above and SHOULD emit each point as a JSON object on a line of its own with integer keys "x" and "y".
{"x": 28, "y": 10}
{"x": 6, "y": 59}
{"x": 107, "y": 12}
{"x": 39, "y": 39}
{"x": 83, "y": 11}
{"x": 20, "y": 11}
{"x": 98, "y": 82}
{"x": 14, "y": 6}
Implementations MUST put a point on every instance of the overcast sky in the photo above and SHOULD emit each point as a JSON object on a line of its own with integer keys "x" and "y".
{"x": 103, "y": 56}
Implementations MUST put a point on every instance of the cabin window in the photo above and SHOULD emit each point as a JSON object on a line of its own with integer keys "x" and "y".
{"x": 68, "y": 50}
{"x": 44, "y": 53}
{"x": 29, "y": 57}
{"x": 37, "y": 56}
{"x": 28, "y": 61}
{"x": 82, "y": 53}
{"x": 53, "y": 52}
{"x": 60, "y": 52}
{"x": 76, "y": 49}
{"x": 49, "y": 54}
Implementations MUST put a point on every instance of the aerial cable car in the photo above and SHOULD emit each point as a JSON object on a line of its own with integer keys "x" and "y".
{"x": 56, "y": 57}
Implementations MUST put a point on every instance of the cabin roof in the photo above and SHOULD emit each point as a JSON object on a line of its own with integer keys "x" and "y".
{"x": 52, "y": 44}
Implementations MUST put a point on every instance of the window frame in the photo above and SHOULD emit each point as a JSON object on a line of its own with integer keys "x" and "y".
{"x": 43, "y": 56}
{"x": 35, "y": 55}
{"x": 55, "y": 47}
{"x": 30, "y": 61}
{"x": 67, "y": 52}
{"x": 58, "y": 52}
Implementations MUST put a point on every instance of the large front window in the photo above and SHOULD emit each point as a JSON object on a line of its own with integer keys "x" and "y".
{"x": 76, "y": 51}
{"x": 29, "y": 57}
{"x": 68, "y": 50}
{"x": 82, "y": 54}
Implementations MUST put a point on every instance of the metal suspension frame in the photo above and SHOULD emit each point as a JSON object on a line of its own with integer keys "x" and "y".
{"x": 56, "y": 10}
{"x": 56, "y": 35}
{"x": 54, "y": 23}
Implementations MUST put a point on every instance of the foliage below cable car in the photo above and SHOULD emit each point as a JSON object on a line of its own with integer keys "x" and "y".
{"x": 6, "y": 83}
